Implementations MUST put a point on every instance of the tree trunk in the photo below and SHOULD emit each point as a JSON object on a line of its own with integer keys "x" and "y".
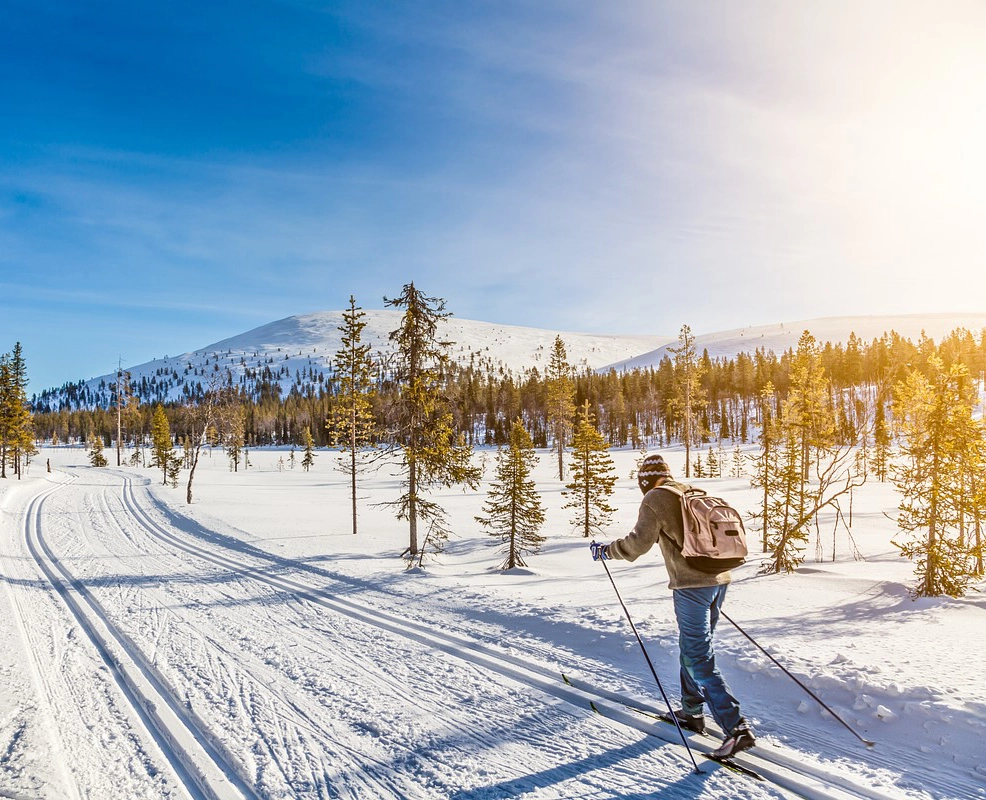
{"x": 412, "y": 506}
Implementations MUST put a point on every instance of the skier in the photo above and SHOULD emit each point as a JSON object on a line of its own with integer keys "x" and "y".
{"x": 698, "y": 596}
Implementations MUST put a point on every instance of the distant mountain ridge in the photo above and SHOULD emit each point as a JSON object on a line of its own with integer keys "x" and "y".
{"x": 784, "y": 335}
{"x": 296, "y": 352}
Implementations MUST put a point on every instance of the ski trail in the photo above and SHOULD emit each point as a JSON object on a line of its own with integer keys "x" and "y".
{"x": 204, "y": 772}
{"x": 254, "y": 698}
{"x": 784, "y": 771}
{"x": 43, "y": 690}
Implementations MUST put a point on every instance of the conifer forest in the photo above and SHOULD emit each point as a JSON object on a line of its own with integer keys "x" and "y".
{"x": 806, "y": 426}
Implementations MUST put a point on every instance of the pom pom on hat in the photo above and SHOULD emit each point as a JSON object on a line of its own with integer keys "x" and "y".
{"x": 652, "y": 469}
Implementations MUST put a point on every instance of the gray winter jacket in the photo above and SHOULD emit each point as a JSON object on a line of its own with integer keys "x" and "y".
{"x": 660, "y": 513}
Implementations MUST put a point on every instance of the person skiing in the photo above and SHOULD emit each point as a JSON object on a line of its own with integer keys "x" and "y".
{"x": 697, "y": 595}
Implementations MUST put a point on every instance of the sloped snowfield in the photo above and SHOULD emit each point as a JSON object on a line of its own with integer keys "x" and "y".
{"x": 251, "y": 646}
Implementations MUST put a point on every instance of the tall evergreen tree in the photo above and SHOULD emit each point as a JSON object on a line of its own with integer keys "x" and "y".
{"x": 432, "y": 455}
{"x": 882, "y": 441}
{"x": 513, "y": 509}
{"x": 808, "y": 412}
{"x": 352, "y": 424}
{"x": 235, "y": 438}
{"x": 687, "y": 396}
{"x": 161, "y": 445}
{"x": 939, "y": 436}
{"x": 559, "y": 400}
{"x": 95, "y": 450}
{"x": 805, "y": 432}
{"x": 593, "y": 477}
{"x": 765, "y": 464}
{"x": 16, "y": 428}
{"x": 308, "y": 445}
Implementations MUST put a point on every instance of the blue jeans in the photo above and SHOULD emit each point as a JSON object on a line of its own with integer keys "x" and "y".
{"x": 697, "y": 611}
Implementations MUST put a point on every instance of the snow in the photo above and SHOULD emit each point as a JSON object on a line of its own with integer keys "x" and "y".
{"x": 251, "y": 645}
{"x": 307, "y": 343}
{"x": 782, "y": 336}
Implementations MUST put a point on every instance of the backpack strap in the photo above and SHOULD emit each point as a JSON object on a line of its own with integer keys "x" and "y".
{"x": 688, "y": 491}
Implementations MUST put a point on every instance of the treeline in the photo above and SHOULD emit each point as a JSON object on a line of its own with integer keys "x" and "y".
{"x": 633, "y": 408}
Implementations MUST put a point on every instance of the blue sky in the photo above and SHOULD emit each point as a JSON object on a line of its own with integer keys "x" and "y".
{"x": 177, "y": 173}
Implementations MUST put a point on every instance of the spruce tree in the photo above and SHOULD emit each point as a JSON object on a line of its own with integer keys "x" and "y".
{"x": 432, "y": 454}
{"x": 16, "y": 426}
{"x": 765, "y": 466}
{"x": 308, "y": 444}
{"x": 559, "y": 400}
{"x": 235, "y": 438}
{"x": 881, "y": 442}
{"x": 161, "y": 441}
{"x": 593, "y": 477}
{"x": 687, "y": 394}
{"x": 513, "y": 508}
{"x": 791, "y": 503}
{"x": 7, "y": 406}
{"x": 939, "y": 438}
{"x": 806, "y": 430}
{"x": 95, "y": 450}
{"x": 352, "y": 424}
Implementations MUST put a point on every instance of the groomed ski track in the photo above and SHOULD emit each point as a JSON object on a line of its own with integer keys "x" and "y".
{"x": 233, "y": 714}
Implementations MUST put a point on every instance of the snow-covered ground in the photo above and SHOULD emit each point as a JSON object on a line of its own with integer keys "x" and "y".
{"x": 250, "y": 645}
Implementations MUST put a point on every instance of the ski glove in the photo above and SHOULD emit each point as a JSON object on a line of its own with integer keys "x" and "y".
{"x": 598, "y": 550}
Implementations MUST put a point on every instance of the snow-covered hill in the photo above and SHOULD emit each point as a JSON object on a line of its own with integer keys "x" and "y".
{"x": 297, "y": 352}
{"x": 784, "y": 335}
{"x": 517, "y": 348}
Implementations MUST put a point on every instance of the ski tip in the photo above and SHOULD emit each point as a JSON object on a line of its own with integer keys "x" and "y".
{"x": 564, "y": 677}
{"x": 592, "y": 705}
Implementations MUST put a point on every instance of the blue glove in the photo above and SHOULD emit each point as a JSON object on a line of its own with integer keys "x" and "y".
{"x": 598, "y": 550}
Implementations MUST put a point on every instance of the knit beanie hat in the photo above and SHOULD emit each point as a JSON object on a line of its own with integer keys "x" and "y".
{"x": 652, "y": 469}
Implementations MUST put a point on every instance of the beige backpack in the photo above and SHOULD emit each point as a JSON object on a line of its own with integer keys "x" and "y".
{"x": 715, "y": 539}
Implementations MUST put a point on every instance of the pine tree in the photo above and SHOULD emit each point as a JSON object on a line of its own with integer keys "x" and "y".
{"x": 736, "y": 470}
{"x": 513, "y": 509}
{"x": 173, "y": 469}
{"x": 808, "y": 412}
{"x": 687, "y": 393}
{"x": 161, "y": 441}
{"x": 432, "y": 455}
{"x": 939, "y": 438}
{"x": 559, "y": 400}
{"x": 765, "y": 466}
{"x": 881, "y": 442}
{"x": 790, "y": 504}
{"x": 712, "y": 463}
{"x": 16, "y": 428}
{"x": 235, "y": 437}
{"x": 308, "y": 460}
{"x": 806, "y": 430}
{"x": 95, "y": 450}
{"x": 352, "y": 424}
{"x": 593, "y": 477}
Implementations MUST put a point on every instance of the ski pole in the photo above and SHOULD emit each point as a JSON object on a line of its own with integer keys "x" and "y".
{"x": 817, "y": 699}
{"x": 653, "y": 671}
